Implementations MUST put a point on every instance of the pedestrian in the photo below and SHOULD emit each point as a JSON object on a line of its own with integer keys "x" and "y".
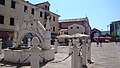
{"x": 97, "y": 42}
{"x": 116, "y": 40}
{"x": 101, "y": 43}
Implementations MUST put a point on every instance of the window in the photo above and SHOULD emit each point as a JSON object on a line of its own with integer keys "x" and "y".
{"x": 32, "y": 11}
{"x": 13, "y": 4}
{"x": 1, "y": 19}
{"x": 53, "y": 18}
{"x": 41, "y": 14}
{"x": 46, "y": 7}
{"x": 53, "y": 28}
{"x": 2, "y": 2}
{"x": 46, "y": 14}
{"x": 12, "y": 21}
{"x": 25, "y": 8}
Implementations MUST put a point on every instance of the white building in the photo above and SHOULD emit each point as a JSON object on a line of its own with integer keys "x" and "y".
{"x": 13, "y": 11}
{"x": 78, "y": 24}
{"x": 72, "y": 26}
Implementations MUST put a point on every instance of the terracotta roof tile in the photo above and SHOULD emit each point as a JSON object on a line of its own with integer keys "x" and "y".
{"x": 73, "y": 20}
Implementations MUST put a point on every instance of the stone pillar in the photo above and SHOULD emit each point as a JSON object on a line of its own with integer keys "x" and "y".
{"x": 89, "y": 51}
{"x": 16, "y": 34}
{"x": 84, "y": 53}
{"x": 35, "y": 53}
{"x": 79, "y": 53}
{"x": 79, "y": 61}
{"x": 74, "y": 57}
{"x": 29, "y": 42}
{"x": 47, "y": 35}
{"x": 0, "y": 46}
{"x": 70, "y": 44}
{"x": 56, "y": 46}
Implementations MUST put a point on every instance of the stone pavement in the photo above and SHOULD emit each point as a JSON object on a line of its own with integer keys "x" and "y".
{"x": 107, "y": 56}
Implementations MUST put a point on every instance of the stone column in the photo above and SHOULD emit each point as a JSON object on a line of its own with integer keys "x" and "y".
{"x": 47, "y": 35}
{"x": 79, "y": 53}
{"x": 29, "y": 42}
{"x": 56, "y": 46}
{"x": 35, "y": 53}
{"x": 74, "y": 57}
{"x": 84, "y": 53}
{"x": 79, "y": 61}
{"x": 0, "y": 46}
{"x": 70, "y": 44}
{"x": 89, "y": 51}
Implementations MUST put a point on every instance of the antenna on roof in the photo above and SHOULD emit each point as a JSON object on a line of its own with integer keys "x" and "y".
{"x": 57, "y": 11}
{"x": 85, "y": 15}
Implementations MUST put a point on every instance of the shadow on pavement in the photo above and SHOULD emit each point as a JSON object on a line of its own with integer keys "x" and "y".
{"x": 17, "y": 65}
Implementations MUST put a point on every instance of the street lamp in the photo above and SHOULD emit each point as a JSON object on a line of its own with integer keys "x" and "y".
{"x": 107, "y": 28}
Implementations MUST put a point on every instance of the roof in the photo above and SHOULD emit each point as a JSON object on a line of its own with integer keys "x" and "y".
{"x": 39, "y": 5}
{"x": 75, "y": 25}
{"x": 42, "y": 3}
{"x": 73, "y": 20}
{"x": 94, "y": 29}
{"x": 116, "y": 21}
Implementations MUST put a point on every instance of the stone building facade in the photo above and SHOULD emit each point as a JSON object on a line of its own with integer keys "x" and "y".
{"x": 72, "y": 26}
{"x": 14, "y": 11}
{"x": 75, "y": 25}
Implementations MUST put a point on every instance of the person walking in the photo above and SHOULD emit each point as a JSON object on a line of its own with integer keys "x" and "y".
{"x": 101, "y": 43}
{"x": 97, "y": 42}
{"x": 116, "y": 41}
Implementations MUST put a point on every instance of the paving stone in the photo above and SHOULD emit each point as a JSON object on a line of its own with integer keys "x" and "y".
{"x": 107, "y": 56}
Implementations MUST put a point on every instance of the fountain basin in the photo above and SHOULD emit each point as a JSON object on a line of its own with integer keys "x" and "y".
{"x": 21, "y": 56}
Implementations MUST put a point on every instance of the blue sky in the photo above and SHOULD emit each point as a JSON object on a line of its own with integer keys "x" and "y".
{"x": 100, "y": 12}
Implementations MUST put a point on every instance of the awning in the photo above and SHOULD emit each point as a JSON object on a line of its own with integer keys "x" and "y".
{"x": 64, "y": 36}
{"x": 80, "y": 35}
{"x": 4, "y": 35}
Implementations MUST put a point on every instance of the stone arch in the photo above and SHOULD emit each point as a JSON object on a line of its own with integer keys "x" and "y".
{"x": 24, "y": 32}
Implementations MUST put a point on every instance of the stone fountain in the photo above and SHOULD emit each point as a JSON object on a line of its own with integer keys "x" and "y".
{"x": 20, "y": 54}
